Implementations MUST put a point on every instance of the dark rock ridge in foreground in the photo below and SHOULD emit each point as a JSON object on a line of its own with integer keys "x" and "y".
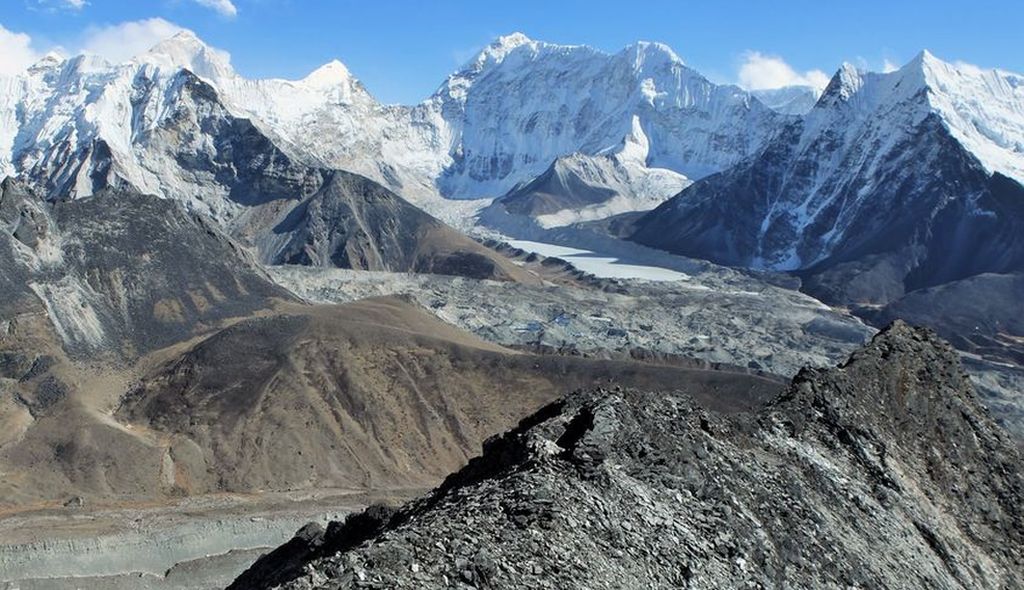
{"x": 882, "y": 473}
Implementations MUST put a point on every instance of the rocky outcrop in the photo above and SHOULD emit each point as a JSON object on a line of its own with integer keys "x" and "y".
{"x": 882, "y": 472}
{"x": 980, "y": 314}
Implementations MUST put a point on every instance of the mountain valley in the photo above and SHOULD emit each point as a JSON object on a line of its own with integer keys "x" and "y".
{"x": 673, "y": 315}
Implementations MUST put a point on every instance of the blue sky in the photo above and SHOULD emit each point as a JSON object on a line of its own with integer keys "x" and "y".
{"x": 402, "y": 50}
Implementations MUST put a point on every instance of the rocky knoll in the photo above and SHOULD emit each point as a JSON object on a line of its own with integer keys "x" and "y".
{"x": 882, "y": 473}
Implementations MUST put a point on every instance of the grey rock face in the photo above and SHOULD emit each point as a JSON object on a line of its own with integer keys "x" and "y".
{"x": 353, "y": 222}
{"x": 122, "y": 272}
{"x": 929, "y": 216}
{"x": 979, "y": 314}
{"x": 883, "y": 472}
{"x": 552, "y": 192}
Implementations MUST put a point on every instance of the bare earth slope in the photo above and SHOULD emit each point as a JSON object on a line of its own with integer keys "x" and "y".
{"x": 374, "y": 394}
{"x": 89, "y": 287}
{"x": 883, "y": 472}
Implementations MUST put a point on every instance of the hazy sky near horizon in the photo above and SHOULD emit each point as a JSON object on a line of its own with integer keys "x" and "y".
{"x": 402, "y": 50}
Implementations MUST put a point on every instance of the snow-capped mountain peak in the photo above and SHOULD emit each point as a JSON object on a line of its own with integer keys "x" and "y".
{"x": 926, "y": 61}
{"x": 846, "y": 82}
{"x": 869, "y": 170}
{"x": 50, "y": 60}
{"x": 511, "y": 120}
{"x": 516, "y": 50}
{"x": 507, "y": 53}
{"x": 983, "y": 108}
{"x": 648, "y": 53}
{"x": 333, "y": 73}
{"x": 503, "y": 45}
{"x": 186, "y": 51}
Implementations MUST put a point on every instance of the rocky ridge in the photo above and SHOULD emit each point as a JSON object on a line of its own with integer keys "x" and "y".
{"x": 882, "y": 472}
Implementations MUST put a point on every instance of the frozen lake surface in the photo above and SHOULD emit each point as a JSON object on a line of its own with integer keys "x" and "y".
{"x": 602, "y": 265}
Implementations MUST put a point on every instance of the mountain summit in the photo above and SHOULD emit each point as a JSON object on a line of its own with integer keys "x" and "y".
{"x": 884, "y": 187}
{"x": 187, "y": 51}
{"x": 494, "y": 124}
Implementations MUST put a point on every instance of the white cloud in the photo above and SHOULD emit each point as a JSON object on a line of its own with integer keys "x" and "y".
{"x": 973, "y": 69}
{"x": 55, "y": 5}
{"x": 223, "y": 7}
{"x": 16, "y": 52}
{"x": 115, "y": 43}
{"x": 763, "y": 72}
{"x": 888, "y": 66}
{"x": 123, "y": 41}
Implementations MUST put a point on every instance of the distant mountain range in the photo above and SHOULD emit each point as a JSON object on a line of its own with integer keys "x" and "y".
{"x": 499, "y": 121}
{"x": 886, "y": 184}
